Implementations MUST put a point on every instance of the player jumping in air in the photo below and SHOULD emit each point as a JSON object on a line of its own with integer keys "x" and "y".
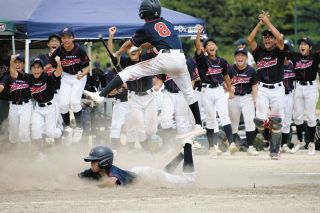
{"x": 170, "y": 59}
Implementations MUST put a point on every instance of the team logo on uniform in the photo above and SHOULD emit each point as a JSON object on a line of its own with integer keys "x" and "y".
{"x": 2, "y": 27}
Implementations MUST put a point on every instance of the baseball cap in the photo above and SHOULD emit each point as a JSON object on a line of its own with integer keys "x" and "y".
{"x": 54, "y": 35}
{"x": 20, "y": 57}
{"x": 306, "y": 40}
{"x": 208, "y": 40}
{"x": 240, "y": 41}
{"x": 133, "y": 49}
{"x": 267, "y": 32}
{"x": 67, "y": 31}
{"x": 241, "y": 50}
{"x": 35, "y": 61}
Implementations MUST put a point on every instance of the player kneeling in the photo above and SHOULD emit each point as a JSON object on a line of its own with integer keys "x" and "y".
{"x": 102, "y": 169}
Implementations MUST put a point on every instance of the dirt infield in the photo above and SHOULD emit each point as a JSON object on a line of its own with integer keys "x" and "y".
{"x": 30, "y": 182}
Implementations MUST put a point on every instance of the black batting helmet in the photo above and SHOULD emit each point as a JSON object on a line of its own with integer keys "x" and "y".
{"x": 102, "y": 154}
{"x": 150, "y": 9}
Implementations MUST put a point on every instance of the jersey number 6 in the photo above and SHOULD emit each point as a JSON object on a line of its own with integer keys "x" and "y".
{"x": 162, "y": 29}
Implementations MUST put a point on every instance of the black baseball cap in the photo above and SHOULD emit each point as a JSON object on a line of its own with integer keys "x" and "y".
{"x": 36, "y": 61}
{"x": 208, "y": 40}
{"x": 240, "y": 41}
{"x": 20, "y": 57}
{"x": 241, "y": 50}
{"x": 67, "y": 31}
{"x": 267, "y": 32}
{"x": 306, "y": 40}
{"x": 54, "y": 35}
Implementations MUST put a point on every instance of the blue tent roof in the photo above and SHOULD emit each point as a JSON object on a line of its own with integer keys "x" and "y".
{"x": 39, "y": 18}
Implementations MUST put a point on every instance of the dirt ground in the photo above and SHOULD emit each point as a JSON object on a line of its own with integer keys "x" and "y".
{"x": 48, "y": 182}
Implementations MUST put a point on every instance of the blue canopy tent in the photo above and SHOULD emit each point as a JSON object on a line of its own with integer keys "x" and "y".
{"x": 39, "y": 18}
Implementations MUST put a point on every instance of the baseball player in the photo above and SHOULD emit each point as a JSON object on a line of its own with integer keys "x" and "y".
{"x": 288, "y": 82}
{"x": 169, "y": 58}
{"x": 244, "y": 79}
{"x": 42, "y": 88}
{"x": 75, "y": 65}
{"x": 269, "y": 60}
{"x": 109, "y": 175}
{"x": 20, "y": 108}
{"x": 241, "y": 43}
{"x": 54, "y": 41}
{"x": 306, "y": 92}
{"x": 213, "y": 72}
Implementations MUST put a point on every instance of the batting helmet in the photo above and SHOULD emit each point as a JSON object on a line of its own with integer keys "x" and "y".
{"x": 150, "y": 9}
{"x": 102, "y": 154}
{"x": 289, "y": 44}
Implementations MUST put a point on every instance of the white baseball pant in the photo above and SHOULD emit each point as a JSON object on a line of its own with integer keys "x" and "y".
{"x": 70, "y": 92}
{"x": 142, "y": 117}
{"x": 119, "y": 116}
{"x": 287, "y": 111}
{"x": 245, "y": 105}
{"x": 45, "y": 117}
{"x": 175, "y": 112}
{"x": 200, "y": 102}
{"x": 270, "y": 99}
{"x": 304, "y": 103}
{"x": 214, "y": 100}
{"x": 147, "y": 173}
{"x": 19, "y": 122}
{"x": 59, "y": 120}
{"x": 173, "y": 64}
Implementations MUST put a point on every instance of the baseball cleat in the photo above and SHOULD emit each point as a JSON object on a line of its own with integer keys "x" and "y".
{"x": 311, "y": 149}
{"x": 67, "y": 135}
{"x": 217, "y": 150}
{"x": 232, "y": 148}
{"x": 50, "y": 140}
{"x": 94, "y": 96}
{"x": 285, "y": 148}
{"x": 77, "y": 135}
{"x": 296, "y": 148}
{"x": 252, "y": 151}
{"x": 274, "y": 156}
{"x": 196, "y": 131}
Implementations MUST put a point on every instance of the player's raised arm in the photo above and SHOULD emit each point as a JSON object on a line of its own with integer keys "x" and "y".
{"x": 198, "y": 40}
{"x": 112, "y": 32}
{"x": 13, "y": 71}
{"x": 264, "y": 17}
{"x": 124, "y": 48}
{"x": 58, "y": 71}
{"x": 251, "y": 39}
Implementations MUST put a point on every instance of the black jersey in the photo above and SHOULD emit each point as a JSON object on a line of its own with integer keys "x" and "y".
{"x": 243, "y": 80}
{"x": 211, "y": 71}
{"x": 42, "y": 88}
{"x": 143, "y": 84}
{"x": 289, "y": 77}
{"x": 306, "y": 67}
{"x": 48, "y": 68}
{"x": 71, "y": 61}
{"x": 269, "y": 64}
{"x": 159, "y": 33}
{"x": 193, "y": 68}
{"x": 19, "y": 89}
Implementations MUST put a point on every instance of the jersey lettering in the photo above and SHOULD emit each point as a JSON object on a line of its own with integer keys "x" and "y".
{"x": 162, "y": 29}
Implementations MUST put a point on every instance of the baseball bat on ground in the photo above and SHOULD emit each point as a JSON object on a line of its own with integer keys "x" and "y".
{"x": 114, "y": 60}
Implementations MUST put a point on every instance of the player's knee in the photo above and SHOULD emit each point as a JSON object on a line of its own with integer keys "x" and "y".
{"x": 64, "y": 108}
{"x": 259, "y": 123}
{"x": 75, "y": 107}
{"x": 276, "y": 123}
